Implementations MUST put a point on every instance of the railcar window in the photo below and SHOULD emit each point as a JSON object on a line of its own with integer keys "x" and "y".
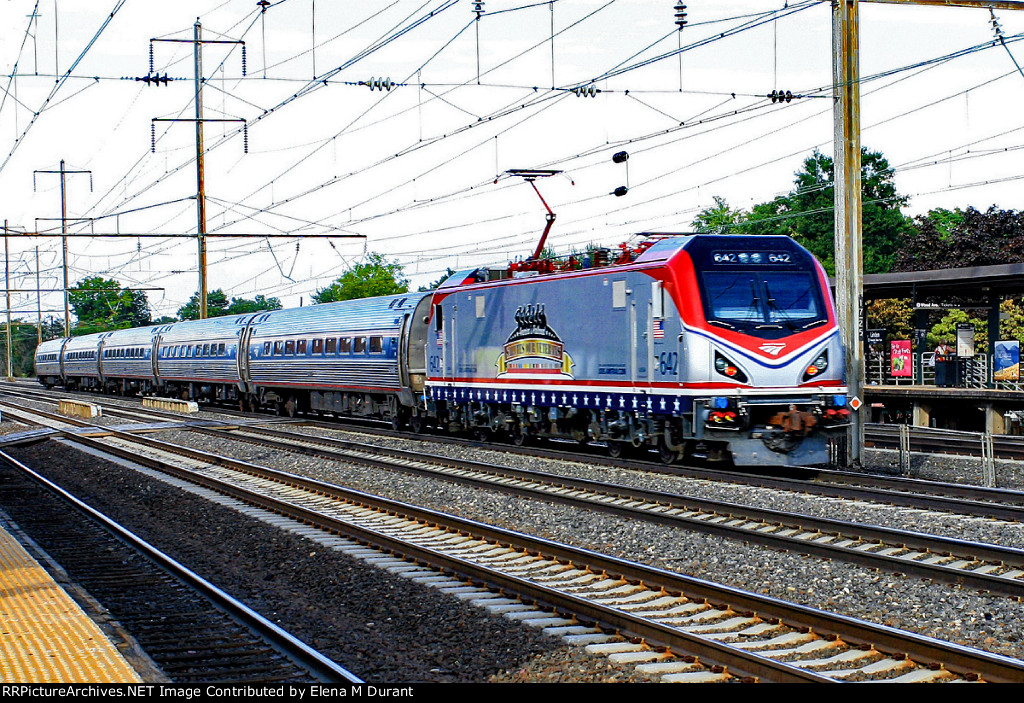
{"x": 266, "y": 349}
{"x": 278, "y": 348}
{"x": 206, "y": 350}
{"x": 346, "y": 346}
{"x": 331, "y": 345}
{"x": 376, "y": 345}
{"x": 220, "y": 349}
{"x": 318, "y": 346}
{"x": 300, "y": 346}
{"x": 289, "y": 347}
{"x": 359, "y": 345}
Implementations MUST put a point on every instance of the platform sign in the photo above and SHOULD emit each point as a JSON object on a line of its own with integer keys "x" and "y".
{"x": 1006, "y": 360}
{"x": 964, "y": 340}
{"x": 901, "y": 363}
{"x": 876, "y": 336}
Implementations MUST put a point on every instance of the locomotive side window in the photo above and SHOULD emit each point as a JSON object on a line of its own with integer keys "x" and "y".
{"x": 346, "y": 346}
{"x": 300, "y": 346}
{"x": 376, "y": 345}
{"x": 332, "y": 345}
{"x": 221, "y": 349}
{"x": 438, "y": 318}
{"x": 318, "y": 346}
{"x": 278, "y": 348}
{"x": 266, "y": 349}
{"x": 359, "y": 345}
{"x": 289, "y": 347}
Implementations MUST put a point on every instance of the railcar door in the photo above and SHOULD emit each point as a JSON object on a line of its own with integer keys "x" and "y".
{"x": 242, "y": 353}
{"x": 157, "y": 339}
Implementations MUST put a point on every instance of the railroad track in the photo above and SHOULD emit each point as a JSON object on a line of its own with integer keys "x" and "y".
{"x": 992, "y": 568}
{"x": 191, "y": 630}
{"x": 665, "y": 618}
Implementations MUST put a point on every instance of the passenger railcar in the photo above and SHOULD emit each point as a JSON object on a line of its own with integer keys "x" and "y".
{"x": 694, "y": 345}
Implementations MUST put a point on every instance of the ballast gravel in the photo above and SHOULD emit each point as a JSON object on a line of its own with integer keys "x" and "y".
{"x": 464, "y": 644}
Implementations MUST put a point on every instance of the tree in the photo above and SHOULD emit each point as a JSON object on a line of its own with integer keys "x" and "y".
{"x": 217, "y": 305}
{"x": 944, "y": 239}
{"x": 807, "y": 212}
{"x": 377, "y": 276}
{"x": 718, "y": 219}
{"x": 101, "y": 304}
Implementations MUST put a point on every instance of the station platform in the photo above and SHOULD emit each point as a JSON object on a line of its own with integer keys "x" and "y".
{"x": 999, "y": 411}
{"x": 45, "y": 636}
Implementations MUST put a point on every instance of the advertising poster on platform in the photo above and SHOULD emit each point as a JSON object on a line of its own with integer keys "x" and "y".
{"x": 901, "y": 357}
{"x": 1006, "y": 361}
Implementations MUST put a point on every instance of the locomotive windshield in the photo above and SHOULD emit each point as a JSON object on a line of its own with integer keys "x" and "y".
{"x": 767, "y": 294}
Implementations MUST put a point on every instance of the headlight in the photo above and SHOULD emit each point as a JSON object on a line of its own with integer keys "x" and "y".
{"x": 817, "y": 367}
{"x": 729, "y": 369}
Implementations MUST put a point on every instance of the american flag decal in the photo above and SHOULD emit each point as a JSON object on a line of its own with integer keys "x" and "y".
{"x": 659, "y": 330}
{"x": 440, "y": 338}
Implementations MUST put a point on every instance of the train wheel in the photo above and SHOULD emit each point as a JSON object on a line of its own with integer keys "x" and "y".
{"x": 520, "y": 438}
{"x": 482, "y": 434}
{"x": 616, "y": 450}
{"x": 416, "y": 423}
{"x": 666, "y": 454}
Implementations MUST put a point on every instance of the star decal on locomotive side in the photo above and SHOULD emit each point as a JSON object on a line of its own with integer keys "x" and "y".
{"x": 534, "y": 348}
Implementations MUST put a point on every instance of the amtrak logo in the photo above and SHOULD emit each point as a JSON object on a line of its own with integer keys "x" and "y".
{"x": 773, "y": 349}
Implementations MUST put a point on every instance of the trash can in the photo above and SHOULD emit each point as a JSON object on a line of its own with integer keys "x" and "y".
{"x": 947, "y": 373}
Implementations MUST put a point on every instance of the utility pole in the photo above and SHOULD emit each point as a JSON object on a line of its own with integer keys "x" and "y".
{"x": 197, "y": 51}
{"x": 7, "y": 285}
{"x": 64, "y": 235}
{"x": 847, "y": 187}
{"x": 200, "y": 166}
{"x": 39, "y": 304}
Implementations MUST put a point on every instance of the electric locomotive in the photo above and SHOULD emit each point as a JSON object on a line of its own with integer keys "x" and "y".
{"x": 702, "y": 346}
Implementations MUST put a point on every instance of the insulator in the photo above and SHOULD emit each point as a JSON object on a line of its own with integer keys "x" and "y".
{"x": 680, "y": 9}
{"x": 151, "y": 57}
{"x": 245, "y": 137}
{"x": 620, "y": 157}
{"x": 263, "y": 5}
{"x": 585, "y": 91}
{"x": 243, "y": 59}
{"x": 152, "y": 137}
{"x": 620, "y": 191}
{"x": 478, "y": 8}
{"x": 381, "y": 84}
{"x": 789, "y": 96}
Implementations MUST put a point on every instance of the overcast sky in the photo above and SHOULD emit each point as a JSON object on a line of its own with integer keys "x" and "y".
{"x": 412, "y": 168}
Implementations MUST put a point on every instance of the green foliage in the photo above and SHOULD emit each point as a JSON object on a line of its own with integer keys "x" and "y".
{"x": 377, "y": 276}
{"x": 945, "y": 330}
{"x": 217, "y": 305}
{"x": 101, "y": 304}
{"x": 807, "y": 212}
{"x": 718, "y": 219}
{"x": 895, "y": 315}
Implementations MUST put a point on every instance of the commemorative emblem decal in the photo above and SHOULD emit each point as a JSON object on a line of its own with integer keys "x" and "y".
{"x": 534, "y": 349}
